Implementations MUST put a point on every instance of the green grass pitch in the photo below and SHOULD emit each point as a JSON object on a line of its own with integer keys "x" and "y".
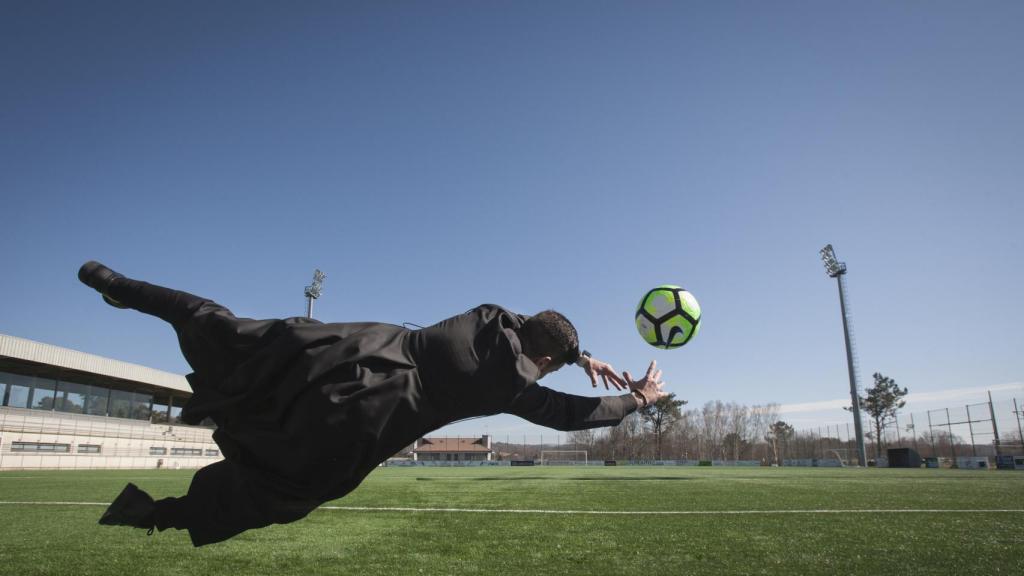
{"x": 968, "y": 522}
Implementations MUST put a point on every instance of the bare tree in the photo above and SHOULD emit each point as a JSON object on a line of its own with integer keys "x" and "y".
{"x": 627, "y": 440}
{"x": 582, "y": 439}
{"x": 615, "y": 442}
{"x": 739, "y": 428}
{"x": 762, "y": 418}
{"x": 686, "y": 434}
{"x": 713, "y": 416}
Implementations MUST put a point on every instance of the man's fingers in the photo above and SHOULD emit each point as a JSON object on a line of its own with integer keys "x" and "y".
{"x": 616, "y": 378}
{"x": 650, "y": 369}
{"x": 657, "y": 376}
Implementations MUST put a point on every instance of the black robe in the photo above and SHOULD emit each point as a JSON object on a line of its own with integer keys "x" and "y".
{"x": 306, "y": 410}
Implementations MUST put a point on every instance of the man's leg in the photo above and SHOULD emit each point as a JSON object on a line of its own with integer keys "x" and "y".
{"x": 223, "y": 501}
{"x": 224, "y": 498}
{"x": 165, "y": 303}
{"x": 212, "y": 339}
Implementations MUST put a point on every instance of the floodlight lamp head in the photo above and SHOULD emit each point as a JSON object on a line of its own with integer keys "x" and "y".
{"x": 832, "y": 266}
{"x": 313, "y": 291}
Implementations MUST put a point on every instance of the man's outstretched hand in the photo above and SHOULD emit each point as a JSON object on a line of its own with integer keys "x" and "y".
{"x": 649, "y": 387}
{"x": 595, "y": 368}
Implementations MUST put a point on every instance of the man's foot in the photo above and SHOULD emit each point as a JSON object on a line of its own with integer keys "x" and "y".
{"x": 99, "y": 277}
{"x": 132, "y": 507}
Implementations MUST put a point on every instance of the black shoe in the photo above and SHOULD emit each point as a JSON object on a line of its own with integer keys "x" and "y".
{"x": 132, "y": 507}
{"x": 99, "y": 277}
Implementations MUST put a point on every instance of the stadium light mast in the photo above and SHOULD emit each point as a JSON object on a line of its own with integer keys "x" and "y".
{"x": 837, "y": 270}
{"x": 313, "y": 291}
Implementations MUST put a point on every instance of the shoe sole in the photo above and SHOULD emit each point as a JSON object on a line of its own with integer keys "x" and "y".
{"x": 115, "y": 513}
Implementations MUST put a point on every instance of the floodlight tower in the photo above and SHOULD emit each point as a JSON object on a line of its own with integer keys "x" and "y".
{"x": 837, "y": 270}
{"x": 313, "y": 291}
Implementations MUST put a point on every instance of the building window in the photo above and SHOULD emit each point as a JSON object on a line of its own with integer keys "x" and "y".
{"x": 88, "y": 448}
{"x": 18, "y": 390}
{"x": 157, "y": 451}
{"x": 43, "y": 393}
{"x": 134, "y": 405}
{"x": 120, "y": 404}
{"x": 141, "y": 405}
{"x": 213, "y": 452}
{"x": 39, "y": 447}
{"x": 17, "y": 396}
{"x": 186, "y": 451}
{"x": 160, "y": 405}
{"x": 177, "y": 405}
{"x": 71, "y": 397}
{"x": 98, "y": 399}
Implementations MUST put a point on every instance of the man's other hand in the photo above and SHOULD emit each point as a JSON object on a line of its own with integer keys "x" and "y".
{"x": 595, "y": 368}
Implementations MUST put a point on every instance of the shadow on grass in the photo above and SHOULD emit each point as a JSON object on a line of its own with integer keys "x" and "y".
{"x": 561, "y": 478}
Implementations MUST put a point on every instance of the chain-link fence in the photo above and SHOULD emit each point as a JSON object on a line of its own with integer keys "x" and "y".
{"x": 985, "y": 429}
{"x": 982, "y": 430}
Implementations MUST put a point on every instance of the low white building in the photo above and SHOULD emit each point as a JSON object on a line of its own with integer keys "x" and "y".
{"x": 61, "y": 408}
{"x": 452, "y": 449}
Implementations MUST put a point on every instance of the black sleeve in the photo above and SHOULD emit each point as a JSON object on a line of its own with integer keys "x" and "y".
{"x": 547, "y": 407}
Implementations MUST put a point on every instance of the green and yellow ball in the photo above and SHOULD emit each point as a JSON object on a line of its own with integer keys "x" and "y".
{"x": 668, "y": 317}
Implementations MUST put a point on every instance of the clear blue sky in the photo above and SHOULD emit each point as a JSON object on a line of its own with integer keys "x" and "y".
{"x": 431, "y": 156}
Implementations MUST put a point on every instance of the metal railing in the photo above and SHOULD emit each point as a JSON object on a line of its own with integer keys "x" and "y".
{"x": 17, "y": 421}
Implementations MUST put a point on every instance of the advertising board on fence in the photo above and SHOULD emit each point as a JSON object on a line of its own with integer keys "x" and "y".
{"x": 813, "y": 462}
{"x": 972, "y": 462}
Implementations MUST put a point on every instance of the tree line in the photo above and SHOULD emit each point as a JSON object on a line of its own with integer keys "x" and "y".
{"x": 718, "y": 430}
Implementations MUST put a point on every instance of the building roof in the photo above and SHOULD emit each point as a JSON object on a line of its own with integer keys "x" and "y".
{"x": 452, "y": 445}
{"x": 30, "y": 351}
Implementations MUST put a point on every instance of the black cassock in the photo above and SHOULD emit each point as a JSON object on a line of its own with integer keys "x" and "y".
{"x": 305, "y": 410}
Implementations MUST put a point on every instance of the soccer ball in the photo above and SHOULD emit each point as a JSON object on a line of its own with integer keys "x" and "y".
{"x": 668, "y": 317}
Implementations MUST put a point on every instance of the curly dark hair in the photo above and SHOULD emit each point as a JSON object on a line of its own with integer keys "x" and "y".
{"x": 549, "y": 333}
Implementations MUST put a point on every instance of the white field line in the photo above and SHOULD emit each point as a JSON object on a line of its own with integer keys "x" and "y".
{"x": 54, "y": 503}
{"x": 596, "y": 512}
{"x": 132, "y": 478}
{"x": 646, "y": 512}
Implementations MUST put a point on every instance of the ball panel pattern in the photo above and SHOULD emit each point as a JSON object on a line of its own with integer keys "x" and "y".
{"x": 646, "y": 329}
{"x": 660, "y": 303}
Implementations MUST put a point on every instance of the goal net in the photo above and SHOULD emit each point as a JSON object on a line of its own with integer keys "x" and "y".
{"x": 563, "y": 457}
{"x": 841, "y": 454}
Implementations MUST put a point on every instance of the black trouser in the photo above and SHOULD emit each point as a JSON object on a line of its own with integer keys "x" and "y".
{"x": 225, "y": 500}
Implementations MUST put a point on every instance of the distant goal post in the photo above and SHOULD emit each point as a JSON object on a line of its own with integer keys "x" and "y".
{"x": 563, "y": 458}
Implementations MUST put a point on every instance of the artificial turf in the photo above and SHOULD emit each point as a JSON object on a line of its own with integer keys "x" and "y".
{"x": 985, "y": 535}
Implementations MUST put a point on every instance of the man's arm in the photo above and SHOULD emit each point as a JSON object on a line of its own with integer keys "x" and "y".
{"x": 561, "y": 411}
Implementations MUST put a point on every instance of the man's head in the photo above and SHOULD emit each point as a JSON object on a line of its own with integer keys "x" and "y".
{"x": 549, "y": 340}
